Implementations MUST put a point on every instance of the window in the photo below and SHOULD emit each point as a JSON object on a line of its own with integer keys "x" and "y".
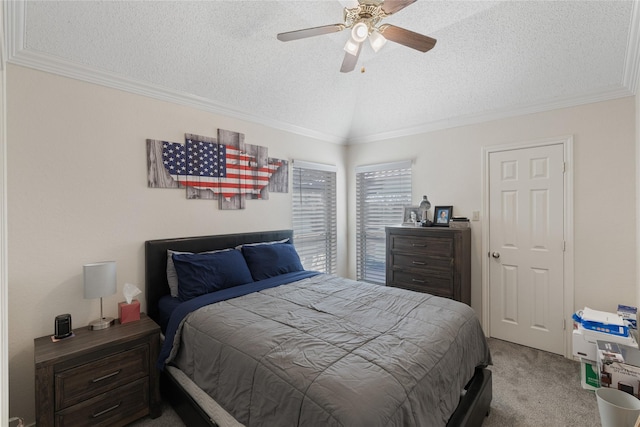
{"x": 382, "y": 191}
{"x": 314, "y": 215}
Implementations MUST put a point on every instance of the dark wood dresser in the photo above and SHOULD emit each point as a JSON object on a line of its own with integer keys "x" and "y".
{"x": 106, "y": 377}
{"x": 435, "y": 260}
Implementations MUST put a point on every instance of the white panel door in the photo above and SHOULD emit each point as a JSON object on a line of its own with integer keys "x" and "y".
{"x": 526, "y": 220}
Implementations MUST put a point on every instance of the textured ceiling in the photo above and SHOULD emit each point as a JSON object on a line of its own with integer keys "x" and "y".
{"x": 492, "y": 59}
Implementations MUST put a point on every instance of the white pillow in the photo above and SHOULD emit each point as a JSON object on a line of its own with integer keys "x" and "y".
{"x": 263, "y": 243}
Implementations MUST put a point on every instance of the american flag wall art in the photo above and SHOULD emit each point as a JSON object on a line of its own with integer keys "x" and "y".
{"x": 224, "y": 168}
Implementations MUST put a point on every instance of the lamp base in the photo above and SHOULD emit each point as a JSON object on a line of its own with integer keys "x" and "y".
{"x": 102, "y": 323}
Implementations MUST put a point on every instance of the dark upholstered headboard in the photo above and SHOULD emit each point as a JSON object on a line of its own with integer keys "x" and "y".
{"x": 155, "y": 264}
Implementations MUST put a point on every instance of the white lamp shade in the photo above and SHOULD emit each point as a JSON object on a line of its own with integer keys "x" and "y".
{"x": 99, "y": 279}
{"x": 377, "y": 40}
{"x": 352, "y": 47}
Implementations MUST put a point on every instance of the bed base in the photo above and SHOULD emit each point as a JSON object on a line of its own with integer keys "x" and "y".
{"x": 471, "y": 411}
{"x": 186, "y": 407}
{"x": 474, "y": 405}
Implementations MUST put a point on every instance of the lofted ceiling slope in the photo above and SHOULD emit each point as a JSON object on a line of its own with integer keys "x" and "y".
{"x": 493, "y": 59}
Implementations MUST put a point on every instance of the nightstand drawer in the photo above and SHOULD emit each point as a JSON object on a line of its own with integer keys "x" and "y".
{"x": 83, "y": 382}
{"x": 115, "y": 408}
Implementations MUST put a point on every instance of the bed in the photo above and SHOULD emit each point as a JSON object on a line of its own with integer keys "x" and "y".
{"x": 301, "y": 348}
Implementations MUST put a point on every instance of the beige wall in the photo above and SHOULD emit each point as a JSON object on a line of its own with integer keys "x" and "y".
{"x": 78, "y": 193}
{"x": 447, "y": 167}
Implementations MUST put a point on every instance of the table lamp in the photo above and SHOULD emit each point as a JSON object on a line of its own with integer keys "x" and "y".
{"x": 100, "y": 281}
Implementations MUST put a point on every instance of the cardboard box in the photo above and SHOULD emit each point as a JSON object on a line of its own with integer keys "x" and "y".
{"x": 629, "y": 314}
{"x": 129, "y": 312}
{"x": 619, "y": 367}
{"x": 585, "y": 342}
{"x": 589, "y": 378}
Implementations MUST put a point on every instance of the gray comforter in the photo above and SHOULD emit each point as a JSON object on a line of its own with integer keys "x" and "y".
{"x": 329, "y": 351}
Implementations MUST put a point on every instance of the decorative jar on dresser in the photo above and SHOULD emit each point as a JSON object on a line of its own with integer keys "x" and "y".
{"x": 104, "y": 377}
{"x": 435, "y": 260}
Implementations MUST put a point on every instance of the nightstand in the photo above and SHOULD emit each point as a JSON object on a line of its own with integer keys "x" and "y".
{"x": 98, "y": 378}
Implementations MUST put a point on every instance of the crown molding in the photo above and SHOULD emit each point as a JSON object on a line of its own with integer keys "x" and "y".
{"x": 18, "y": 54}
{"x": 521, "y": 110}
{"x": 51, "y": 64}
{"x": 632, "y": 59}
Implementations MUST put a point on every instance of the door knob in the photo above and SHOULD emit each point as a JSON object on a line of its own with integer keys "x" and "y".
{"x": 496, "y": 255}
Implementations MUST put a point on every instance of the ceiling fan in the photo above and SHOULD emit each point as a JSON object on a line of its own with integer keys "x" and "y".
{"x": 363, "y": 21}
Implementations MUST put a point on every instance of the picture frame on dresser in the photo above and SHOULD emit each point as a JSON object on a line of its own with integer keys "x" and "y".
{"x": 407, "y": 221}
{"x": 442, "y": 215}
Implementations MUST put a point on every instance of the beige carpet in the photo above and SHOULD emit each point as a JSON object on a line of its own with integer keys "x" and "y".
{"x": 531, "y": 388}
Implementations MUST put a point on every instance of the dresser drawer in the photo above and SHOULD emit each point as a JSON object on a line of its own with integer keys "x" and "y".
{"x": 83, "y": 382}
{"x": 117, "y": 407}
{"x": 429, "y": 246}
{"x": 423, "y": 264}
{"x": 435, "y": 285}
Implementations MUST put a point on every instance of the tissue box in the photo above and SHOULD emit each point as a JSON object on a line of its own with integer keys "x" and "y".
{"x": 129, "y": 312}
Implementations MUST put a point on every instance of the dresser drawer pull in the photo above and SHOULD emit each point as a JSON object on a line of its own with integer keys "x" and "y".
{"x": 419, "y": 263}
{"x": 113, "y": 374}
{"x": 416, "y": 245}
{"x": 97, "y": 414}
{"x": 417, "y": 280}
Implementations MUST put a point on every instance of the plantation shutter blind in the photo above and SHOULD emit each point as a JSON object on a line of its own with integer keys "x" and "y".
{"x": 382, "y": 192}
{"x": 314, "y": 215}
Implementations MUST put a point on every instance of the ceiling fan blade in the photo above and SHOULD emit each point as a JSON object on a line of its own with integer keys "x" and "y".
{"x": 392, "y": 6}
{"x": 407, "y": 38}
{"x": 349, "y": 62}
{"x": 310, "y": 32}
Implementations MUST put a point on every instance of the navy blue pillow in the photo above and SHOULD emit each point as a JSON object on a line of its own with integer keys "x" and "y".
{"x": 271, "y": 260}
{"x": 200, "y": 274}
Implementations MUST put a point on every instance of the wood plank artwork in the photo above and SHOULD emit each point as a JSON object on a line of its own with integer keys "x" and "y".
{"x": 194, "y": 192}
{"x": 222, "y": 168}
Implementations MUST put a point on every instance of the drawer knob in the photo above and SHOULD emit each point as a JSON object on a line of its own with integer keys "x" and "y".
{"x": 417, "y": 280}
{"x": 97, "y": 414}
{"x": 419, "y": 263}
{"x": 113, "y": 374}
{"x": 416, "y": 245}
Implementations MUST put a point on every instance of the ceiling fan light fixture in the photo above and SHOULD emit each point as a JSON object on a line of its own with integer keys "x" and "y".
{"x": 359, "y": 32}
{"x": 377, "y": 40}
{"x": 351, "y": 47}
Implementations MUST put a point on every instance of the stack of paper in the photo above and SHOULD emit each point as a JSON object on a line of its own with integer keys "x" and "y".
{"x": 602, "y": 321}
{"x": 602, "y": 317}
